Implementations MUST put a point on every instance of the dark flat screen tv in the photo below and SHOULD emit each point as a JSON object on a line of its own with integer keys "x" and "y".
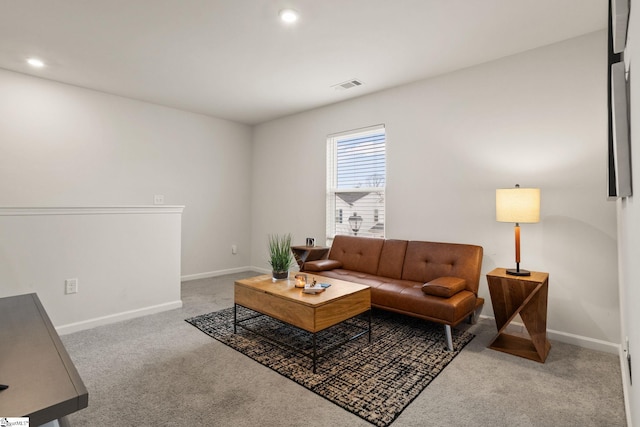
{"x": 619, "y": 141}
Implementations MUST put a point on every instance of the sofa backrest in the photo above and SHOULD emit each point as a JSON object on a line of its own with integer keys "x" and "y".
{"x": 392, "y": 258}
{"x": 357, "y": 253}
{"x": 425, "y": 261}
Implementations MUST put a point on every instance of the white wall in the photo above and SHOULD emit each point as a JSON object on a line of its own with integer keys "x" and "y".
{"x": 62, "y": 145}
{"x": 126, "y": 261}
{"x": 537, "y": 119}
{"x": 629, "y": 235}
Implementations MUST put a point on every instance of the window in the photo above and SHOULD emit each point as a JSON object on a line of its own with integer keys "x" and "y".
{"x": 356, "y": 179}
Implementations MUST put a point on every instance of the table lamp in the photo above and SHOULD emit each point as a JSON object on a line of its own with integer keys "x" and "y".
{"x": 518, "y": 205}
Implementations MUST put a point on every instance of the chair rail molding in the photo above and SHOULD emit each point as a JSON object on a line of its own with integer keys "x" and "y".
{"x": 91, "y": 210}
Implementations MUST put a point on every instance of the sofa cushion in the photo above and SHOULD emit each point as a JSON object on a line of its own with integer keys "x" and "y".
{"x": 370, "y": 280}
{"x": 444, "y": 286}
{"x": 322, "y": 265}
{"x": 392, "y": 258}
{"x": 426, "y": 261}
{"x": 361, "y": 254}
{"x": 414, "y": 302}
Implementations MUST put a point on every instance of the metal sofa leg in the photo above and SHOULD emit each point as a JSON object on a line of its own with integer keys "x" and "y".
{"x": 473, "y": 317}
{"x": 447, "y": 331}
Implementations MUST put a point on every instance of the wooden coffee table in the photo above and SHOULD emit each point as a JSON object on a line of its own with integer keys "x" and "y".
{"x": 312, "y": 313}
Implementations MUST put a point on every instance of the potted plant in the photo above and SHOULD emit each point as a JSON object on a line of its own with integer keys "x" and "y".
{"x": 280, "y": 257}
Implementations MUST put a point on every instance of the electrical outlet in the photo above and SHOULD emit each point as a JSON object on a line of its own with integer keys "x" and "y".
{"x": 234, "y": 249}
{"x": 71, "y": 286}
{"x": 158, "y": 199}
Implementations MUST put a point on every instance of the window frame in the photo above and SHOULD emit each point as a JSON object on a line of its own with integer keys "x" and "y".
{"x": 332, "y": 184}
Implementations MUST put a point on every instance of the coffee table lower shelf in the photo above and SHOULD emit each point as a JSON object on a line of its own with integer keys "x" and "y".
{"x": 314, "y": 355}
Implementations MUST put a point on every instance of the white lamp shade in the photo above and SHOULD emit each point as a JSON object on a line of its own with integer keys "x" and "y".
{"x": 518, "y": 204}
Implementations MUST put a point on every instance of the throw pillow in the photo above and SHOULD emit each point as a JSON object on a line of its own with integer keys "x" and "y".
{"x": 444, "y": 286}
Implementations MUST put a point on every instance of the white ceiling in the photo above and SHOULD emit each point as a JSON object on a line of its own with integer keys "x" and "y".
{"x": 234, "y": 59}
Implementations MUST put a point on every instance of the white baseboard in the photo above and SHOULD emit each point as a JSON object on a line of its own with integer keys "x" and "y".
{"x": 585, "y": 342}
{"x": 117, "y": 317}
{"x": 578, "y": 340}
{"x": 208, "y": 274}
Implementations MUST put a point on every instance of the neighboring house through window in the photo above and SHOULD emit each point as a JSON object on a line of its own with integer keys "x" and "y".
{"x": 356, "y": 180}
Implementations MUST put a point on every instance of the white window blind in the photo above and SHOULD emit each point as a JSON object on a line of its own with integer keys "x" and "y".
{"x": 356, "y": 179}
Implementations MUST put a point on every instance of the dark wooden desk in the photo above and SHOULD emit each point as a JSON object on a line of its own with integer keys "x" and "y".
{"x": 44, "y": 385}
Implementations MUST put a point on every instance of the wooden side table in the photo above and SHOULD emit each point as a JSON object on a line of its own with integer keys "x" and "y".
{"x": 526, "y": 296}
{"x": 303, "y": 254}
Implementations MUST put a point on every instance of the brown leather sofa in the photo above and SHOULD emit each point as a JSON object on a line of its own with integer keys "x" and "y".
{"x": 429, "y": 280}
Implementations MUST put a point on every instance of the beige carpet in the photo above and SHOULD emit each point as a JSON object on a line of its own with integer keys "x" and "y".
{"x": 160, "y": 371}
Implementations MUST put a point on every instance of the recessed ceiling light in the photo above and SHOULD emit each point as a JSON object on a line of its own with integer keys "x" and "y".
{"x": 35, "y": 62}
{"x": 289, "y": 15}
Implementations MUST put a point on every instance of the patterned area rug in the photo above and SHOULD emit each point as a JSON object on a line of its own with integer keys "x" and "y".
{"x": 375, "y": 381}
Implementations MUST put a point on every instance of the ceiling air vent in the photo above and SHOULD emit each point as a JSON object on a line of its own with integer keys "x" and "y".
{"x": 347, "y": 85}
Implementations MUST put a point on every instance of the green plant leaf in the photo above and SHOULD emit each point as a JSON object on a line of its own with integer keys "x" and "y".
{"x": 280, "y": 256}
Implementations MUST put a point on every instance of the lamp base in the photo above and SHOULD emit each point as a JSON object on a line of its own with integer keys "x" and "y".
{"x": 518, "y": 272}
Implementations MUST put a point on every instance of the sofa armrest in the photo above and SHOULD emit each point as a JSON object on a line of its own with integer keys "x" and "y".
{"x": 444, "y": 286}
{"x": 322, "y": 265}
